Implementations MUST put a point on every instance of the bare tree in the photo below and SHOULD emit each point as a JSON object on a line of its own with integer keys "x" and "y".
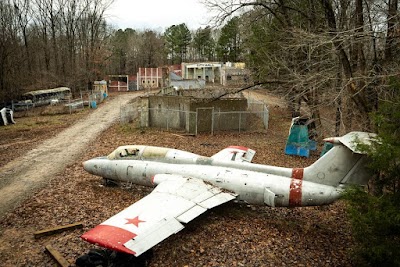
{"x": 326, "y": 52}
{"x": 392, "y": 29}
{"x": 9, "y": 50}
{"x": 22, "y": 11}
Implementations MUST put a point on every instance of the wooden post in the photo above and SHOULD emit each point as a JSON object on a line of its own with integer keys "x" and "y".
{"x": 57, "y": 256}
{"x": 57, "y": 229}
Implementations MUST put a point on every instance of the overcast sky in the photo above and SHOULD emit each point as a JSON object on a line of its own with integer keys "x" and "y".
{"x": 157, "y": 14}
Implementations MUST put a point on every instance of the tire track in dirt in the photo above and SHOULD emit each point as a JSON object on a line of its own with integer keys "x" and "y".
{"x": 21, "y": 177}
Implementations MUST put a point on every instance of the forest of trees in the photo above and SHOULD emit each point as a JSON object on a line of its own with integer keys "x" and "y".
{"x": 343, "y": 55}
{"x": 49, "y": 43}
{"x": 327, "y": 52}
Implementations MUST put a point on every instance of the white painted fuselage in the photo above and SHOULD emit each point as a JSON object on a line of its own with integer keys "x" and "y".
{"x": 254, "y": 187}
{"x": 187, "y": 185}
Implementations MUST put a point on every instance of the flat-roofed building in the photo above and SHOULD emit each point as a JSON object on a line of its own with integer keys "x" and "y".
{"x": 208, "y": 71}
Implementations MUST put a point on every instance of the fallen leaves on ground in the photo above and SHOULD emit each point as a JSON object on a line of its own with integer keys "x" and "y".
{"x": 229, "y": 235}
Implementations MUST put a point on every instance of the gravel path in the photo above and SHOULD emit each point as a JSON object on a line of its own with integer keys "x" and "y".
{"x": 22, "y": 176}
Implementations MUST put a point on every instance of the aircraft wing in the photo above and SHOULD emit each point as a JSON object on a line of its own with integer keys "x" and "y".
{"x": 175, "y": 201}
{"x": 235, "y": 153}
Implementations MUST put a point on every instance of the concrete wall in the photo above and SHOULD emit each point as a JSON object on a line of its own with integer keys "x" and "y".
{"x": 233, "y": 104}
{"x": 188, "y": 84}
{"x": 210, "y": 93}
{"x": 235, "y": 77}
{"x": 220, "y": 121}
{"x": 144, "y": 114}
{"x": 172, "y": 112}
{"x": 177, "y": 112}
{"x": 169, "y": 112}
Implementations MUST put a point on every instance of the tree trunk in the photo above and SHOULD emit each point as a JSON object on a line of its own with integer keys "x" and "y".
{"x": 355, "y": 91}
{"x": 391, "y": 30}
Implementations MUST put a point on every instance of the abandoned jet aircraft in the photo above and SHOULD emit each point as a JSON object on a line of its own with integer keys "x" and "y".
{"x": 187, "y": 185}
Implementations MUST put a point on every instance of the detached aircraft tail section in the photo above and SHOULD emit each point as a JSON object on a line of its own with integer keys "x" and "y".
{"x": 343, "y": 164}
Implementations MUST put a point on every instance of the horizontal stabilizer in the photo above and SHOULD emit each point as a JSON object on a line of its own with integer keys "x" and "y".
{"x": 352, "y": 140}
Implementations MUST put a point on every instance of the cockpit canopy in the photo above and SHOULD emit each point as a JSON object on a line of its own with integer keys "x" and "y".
{"x": 138, "y": 152}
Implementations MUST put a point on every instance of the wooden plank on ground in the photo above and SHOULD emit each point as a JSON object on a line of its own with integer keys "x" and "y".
{"x": 184, "y": 135}
{"x": 58, "y": 229}
{"x": 57, "y": 256}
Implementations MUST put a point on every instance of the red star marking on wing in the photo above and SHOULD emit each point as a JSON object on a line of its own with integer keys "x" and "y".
{"x": 135, "y": 221}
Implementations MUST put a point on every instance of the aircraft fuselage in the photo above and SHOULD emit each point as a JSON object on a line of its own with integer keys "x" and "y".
{"x": 252, "y": 187}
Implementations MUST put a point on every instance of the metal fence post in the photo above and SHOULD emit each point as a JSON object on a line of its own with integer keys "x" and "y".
{"x": 168, "y": 114}
{"x": 212, "y": 121}
{"x": 196, "y": 121}
{"x": 240, "y": 120}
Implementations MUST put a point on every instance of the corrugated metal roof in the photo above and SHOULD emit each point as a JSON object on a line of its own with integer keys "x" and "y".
{"x": 175, "y": 77}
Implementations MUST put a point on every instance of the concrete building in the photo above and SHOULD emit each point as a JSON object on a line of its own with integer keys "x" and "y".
{"x": 151, "y": 78}
{"x": 208, "y": 71}
{"x": 228, "y": 74}
{"x": 178, "y": 82}
{"x": 235, "y": 74}
{"x": 118, "y": 83}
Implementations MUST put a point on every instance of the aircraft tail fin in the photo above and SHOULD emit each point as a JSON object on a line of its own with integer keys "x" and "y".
{"x": 343, "y": 164}
{"x": 235, "y": 153}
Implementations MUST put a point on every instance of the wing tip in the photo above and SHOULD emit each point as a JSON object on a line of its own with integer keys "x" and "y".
{"x": 110, "y": 237}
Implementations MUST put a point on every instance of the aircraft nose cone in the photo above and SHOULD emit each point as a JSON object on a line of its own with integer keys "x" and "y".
{"x": 88, "y": 166}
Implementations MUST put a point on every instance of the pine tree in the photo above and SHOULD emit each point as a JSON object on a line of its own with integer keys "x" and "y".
{"x": 375, "y": 216}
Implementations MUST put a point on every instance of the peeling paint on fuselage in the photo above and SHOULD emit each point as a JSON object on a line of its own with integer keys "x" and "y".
{"x": 249, "y": 185}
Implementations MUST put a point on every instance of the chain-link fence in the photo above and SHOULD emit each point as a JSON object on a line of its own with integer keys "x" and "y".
{"x": 260, "y": 109}
{"x": 74, "y": 104}
{"x": 239, "y": 121}
{"x": 207, "y": 119}
{"x": 62, "y": 105}
{"x": 172, "y": 119}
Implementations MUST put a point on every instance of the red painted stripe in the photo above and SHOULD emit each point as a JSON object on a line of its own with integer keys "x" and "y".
{"x": 243, "y": 148}
{"x": 295, "y": 191}
{"x": 110, "y": 237}
{"x": 298, "y": 173}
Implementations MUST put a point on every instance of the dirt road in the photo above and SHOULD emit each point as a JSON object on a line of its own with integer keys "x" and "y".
{"x": 22, "y": 176}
